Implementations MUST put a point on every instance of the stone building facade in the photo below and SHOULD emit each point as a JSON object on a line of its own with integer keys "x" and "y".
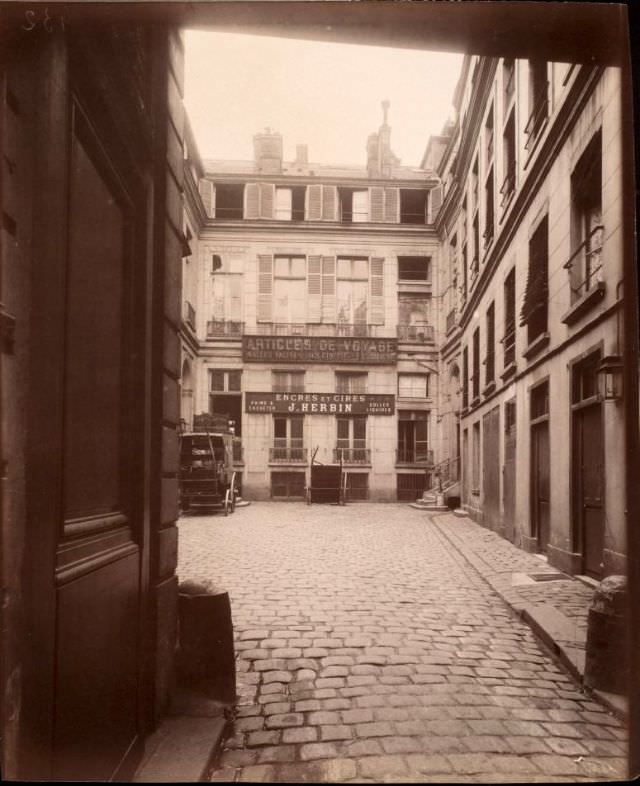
{"x": 531, "y": 275}
{"x": 315, "y": 321}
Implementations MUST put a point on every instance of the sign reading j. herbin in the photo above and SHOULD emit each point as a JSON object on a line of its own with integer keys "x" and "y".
{"x": 315, "y": 349}
{"x": 319, "y": 403}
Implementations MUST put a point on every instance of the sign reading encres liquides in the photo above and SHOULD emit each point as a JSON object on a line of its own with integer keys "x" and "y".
{"x": 314, "y": 349}
{"x": 319, "y": 403}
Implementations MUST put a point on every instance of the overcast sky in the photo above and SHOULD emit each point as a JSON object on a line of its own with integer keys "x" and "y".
{"x": 325, "y": 95}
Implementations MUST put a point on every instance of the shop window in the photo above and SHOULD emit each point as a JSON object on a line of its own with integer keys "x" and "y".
{"x": 351, "y": 440}
{"x": 413, "y": 437}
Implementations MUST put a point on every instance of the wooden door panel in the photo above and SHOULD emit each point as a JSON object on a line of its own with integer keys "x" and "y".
{"x": 93, "y": 450}
{"x": 540, "y": 486}
{"x": 589, "y": 482}
{"x": 96, "y": 673}
{"x": 491, "y": 468}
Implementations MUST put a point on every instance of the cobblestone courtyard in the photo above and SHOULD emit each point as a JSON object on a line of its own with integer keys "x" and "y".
{"x": 368, "y": 649}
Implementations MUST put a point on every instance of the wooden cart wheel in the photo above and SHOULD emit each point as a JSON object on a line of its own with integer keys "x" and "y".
{"x": 232, "y": 491}
{"x": 227, "y": 504}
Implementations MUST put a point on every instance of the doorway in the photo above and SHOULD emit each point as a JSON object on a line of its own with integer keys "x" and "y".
{"x": 509, "y": 470}
{"x": 587, "y": 465}
{"x": 540, "y": 477}
{"x": 491, "y": 469}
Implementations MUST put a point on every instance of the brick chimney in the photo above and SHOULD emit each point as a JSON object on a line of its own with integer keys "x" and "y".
{"x": 267, "y": 151}
{"x": 380, "y": 157}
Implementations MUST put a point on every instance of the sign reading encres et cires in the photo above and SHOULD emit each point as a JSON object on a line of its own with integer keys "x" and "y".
{"x": 319, "y": 403}
{"x": 316, "y": 349}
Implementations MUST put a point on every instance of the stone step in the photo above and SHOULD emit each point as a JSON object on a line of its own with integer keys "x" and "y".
{"x": 461, "y": 513}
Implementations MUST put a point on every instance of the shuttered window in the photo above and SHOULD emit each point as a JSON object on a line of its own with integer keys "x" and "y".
{"x": 377, "y": 203}
{"x": 536, "y": 299}
{"x": 328, "y": 289}
{"x": 208, "y": 196}
{"x": 322, "y": 203}
{"x": 392, "y": 205}
{"x": 314, "y": 289}
{"x": 259, "y": 200}
{"x": 265, "y": 288}
{"x": 376, "y": 281}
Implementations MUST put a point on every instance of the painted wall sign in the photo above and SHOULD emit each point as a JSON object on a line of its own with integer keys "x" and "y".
{"x": 319, "y": 403}
{"x": 314, "y": 349}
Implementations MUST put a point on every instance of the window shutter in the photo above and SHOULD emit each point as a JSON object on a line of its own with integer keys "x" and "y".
{"x": 252, "y": 200}
{"x": 314, "y": 202}
{"x": 267, "y": 200}
{"x": 265, "y": 288}
{"x": 205, "y": 187}
{"x": 328, "y": 289}
{"x": 435, "y": 202}
{"x": 376, "y": 290}
{"x": 314, "y": 289}
{"x": 329, "y": 203}
{"x": 377, "y": 203}
{"x": 392, "y": 205}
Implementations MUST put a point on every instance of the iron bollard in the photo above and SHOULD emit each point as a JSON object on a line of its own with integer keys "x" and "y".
{"x": 206, "y": 657}
{"x": 606, "y": 662}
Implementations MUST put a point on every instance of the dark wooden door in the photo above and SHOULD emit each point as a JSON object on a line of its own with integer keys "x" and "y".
{"x": 540, "y": 501}
{"x": 466, "y": 469}
{"x": 588, "y": 480}
{"x": 87, "y": 454}
{"x": 509, "y": 470}
{"x": 491, "y": 468}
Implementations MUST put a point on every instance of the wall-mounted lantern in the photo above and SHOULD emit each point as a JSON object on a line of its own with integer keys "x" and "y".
{"x": 610, "y": 374}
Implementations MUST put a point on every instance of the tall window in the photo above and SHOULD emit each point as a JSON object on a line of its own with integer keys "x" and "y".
{"x": 475, "y": 458}
{"x": 508, "y": 82}
{"x": 475, "y": 379}
{"x": 288, "y": 439}
{"x": 538, "y": 100}
{"x": 283, "y": 204}
{"x": 413, "y": 385}
{"x": 413, "y": 205}
{"x": 490, "y": 365}
{"x": 465, "y": 378}
{"x": 352, "y": 280}
{"x": 351, "y": 382}
{"x": 354, "y": 205}
{"x": 351, "y": 442}
{"x": 287, "y": 381}
{"x": 509, "y": 338}
{"x": 413, "y": 437}
{"x": 289, "y": 288}
{"x": 509, "y": 157}
{"x": 585, "y": 263}
{"x": 536, "y": 300}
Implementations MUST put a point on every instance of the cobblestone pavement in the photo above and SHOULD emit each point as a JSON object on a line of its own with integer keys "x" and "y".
{"x": 369, "y": 650}
{"x": 508, "y": 568}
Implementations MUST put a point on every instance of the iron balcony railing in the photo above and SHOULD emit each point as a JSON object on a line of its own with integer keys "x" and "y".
{"x": 418, "y": 333}
{"x": 189, "y": 314}
{"x": 445, "y": 472}
{"x": 537, "y": 118}
{"x": 223, "y": 328}
{"x": 590, "y": 260}
{"x": 414, "y": 455}
{"x": 315, "y": 329}
{"x": 352, "y": 455}
{"x": 289, "y": 453}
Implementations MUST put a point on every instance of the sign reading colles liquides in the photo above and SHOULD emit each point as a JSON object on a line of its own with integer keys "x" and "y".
{"x": 315, "y": 349}
{"x": 319, "y": 404}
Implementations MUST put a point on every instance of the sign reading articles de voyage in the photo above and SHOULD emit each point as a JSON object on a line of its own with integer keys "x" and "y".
{"x": 316, "y": 349}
